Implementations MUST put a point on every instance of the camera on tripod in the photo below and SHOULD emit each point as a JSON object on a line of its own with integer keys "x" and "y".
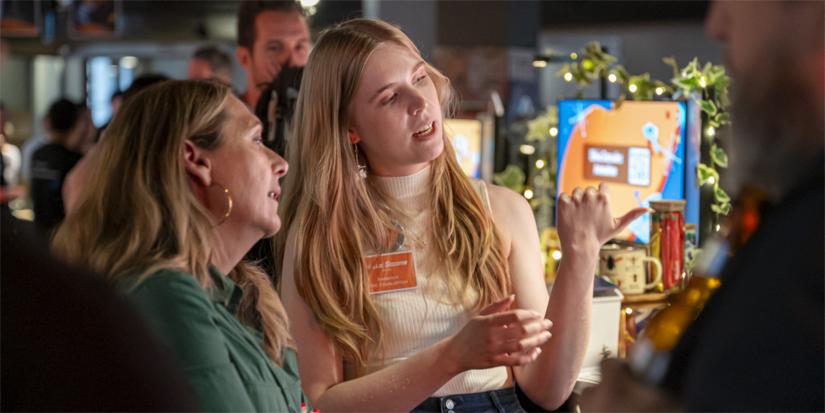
{"x": 276, "y": 106}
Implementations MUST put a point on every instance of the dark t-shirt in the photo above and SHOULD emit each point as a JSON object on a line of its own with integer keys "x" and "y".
{"x": 758, "y": 345}
{"x": 50, "y": 165}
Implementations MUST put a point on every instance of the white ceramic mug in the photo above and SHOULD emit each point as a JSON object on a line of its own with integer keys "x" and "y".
{"x": 625, "y": 267}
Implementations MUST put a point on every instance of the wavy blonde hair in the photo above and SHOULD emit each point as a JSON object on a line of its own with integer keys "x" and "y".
{"x": 138, "y": 214}
{"x": 336, "y": 216}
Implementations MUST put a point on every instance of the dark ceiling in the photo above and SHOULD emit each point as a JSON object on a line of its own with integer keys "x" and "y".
{"x": 576, "y": 12}
{"x": 172, "y": 21}
{"x": 586, "y": 13}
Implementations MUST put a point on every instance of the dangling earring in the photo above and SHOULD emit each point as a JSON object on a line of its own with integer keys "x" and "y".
{"x": 229, "y": 203}
{"x": 362, "y": 169}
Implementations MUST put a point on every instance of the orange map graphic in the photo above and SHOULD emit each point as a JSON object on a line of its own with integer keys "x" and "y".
{"x": 631, "y": 148}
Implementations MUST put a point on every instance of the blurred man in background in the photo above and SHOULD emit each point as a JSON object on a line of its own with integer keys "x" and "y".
{"x": 53, "y": 161}
{"x": 210, "y": 62}
{"x": 271, "y": 35}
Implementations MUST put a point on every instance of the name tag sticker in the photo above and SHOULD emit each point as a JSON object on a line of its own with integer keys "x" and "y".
{"x": 391, "y": 272}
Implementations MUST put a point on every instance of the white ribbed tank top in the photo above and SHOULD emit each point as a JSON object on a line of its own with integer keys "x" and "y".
{"x": 416, "y": 319}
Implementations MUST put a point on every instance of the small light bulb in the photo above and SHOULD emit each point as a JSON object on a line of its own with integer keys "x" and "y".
{"x": 527, "y": 149}
{"x": 632, "y": 88}
{"x": 659, "y": 91}
{"x": 568, "y": 77}
{"x": 540, "y": 163}
{"x": 628, "y": 311}
{"x": 612, "y": 78}
{"x": 718, "y": 227}
{"x": 574, "y": 55}
{"x": 712, "y": 180}
{"x": 711, "y": 131}
{"x": 702, "y": 82}
{"x": 539, "y": 64}
{"x": 554, "y": 131}
{"x": 556, "y": 255}
{"x": 528, "y": 194}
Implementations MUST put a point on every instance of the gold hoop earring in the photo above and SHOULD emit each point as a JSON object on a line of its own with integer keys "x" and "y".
{"x": 229, "y": 202}
{"x": 360, "y": 168}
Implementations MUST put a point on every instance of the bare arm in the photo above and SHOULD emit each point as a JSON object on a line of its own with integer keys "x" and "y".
{"x": 584, "y": 225}
{"x": 401, "y": 386}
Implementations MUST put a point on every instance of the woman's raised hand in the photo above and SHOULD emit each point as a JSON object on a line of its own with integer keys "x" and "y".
{"x": 584, "y": 219}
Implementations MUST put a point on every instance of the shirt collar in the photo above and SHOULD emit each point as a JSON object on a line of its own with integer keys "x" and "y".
{"x": 224, "y": 291}
{"x": 402, "y": 187}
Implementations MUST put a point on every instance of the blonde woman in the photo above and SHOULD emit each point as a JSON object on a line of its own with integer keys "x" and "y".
{"x": 375, "y": 187}
{"x": 183, "y": 187}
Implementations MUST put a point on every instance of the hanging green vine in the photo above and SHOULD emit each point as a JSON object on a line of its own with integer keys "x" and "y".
{"x": 708, "y": 87}
{"x": 592, "y": 64}
{"x": 511, "y": 177}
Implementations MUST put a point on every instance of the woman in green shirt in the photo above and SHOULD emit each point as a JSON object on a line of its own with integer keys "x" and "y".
{"x": 184, "y": 187}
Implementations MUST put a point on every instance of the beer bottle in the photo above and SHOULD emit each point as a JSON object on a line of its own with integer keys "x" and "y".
{"x": 651, "y": 353}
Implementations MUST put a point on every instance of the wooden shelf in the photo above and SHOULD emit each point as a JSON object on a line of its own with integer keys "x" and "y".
{"x": 644, "y": 298}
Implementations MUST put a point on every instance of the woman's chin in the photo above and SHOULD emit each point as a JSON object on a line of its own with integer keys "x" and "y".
{"x": 272, "y": 229}
{"x": 435, "y": 150}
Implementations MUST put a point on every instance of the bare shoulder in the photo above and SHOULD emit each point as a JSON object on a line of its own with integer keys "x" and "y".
{"x": 511, "y": 212}
{"x": 506, "y": 203}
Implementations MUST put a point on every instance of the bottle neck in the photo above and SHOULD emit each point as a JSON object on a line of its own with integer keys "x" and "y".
{"x": 714, "y": 255}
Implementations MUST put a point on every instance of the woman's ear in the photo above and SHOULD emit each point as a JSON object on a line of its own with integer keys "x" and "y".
{"x": 353, "y": 136}
{"x": 198, "y": 166}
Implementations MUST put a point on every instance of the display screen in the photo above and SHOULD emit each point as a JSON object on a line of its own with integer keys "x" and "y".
{"x": 637, "y": 148}
{"x": 466, "y": 137}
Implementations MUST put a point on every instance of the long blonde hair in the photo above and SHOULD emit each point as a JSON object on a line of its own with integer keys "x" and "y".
{"x": 336, "y": 216}
{"x": 138, "y": 214}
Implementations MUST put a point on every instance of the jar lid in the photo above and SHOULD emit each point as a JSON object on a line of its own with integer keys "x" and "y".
{"x": 675, "y": 205}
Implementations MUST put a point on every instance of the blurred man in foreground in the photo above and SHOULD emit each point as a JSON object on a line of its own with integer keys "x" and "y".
{"x": 758, "y": 344}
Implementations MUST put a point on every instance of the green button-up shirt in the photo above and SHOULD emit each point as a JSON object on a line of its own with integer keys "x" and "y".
{"x": 223, "y": 359}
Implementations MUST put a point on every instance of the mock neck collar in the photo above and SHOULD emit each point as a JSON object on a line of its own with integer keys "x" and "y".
{"x": 401, "y": 187}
